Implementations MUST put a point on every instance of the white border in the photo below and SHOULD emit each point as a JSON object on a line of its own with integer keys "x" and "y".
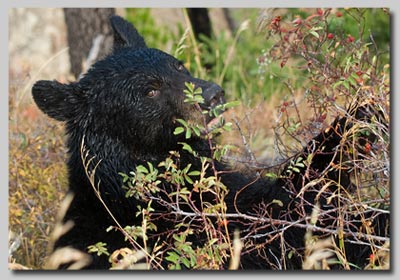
{"x": 5, "y": 5}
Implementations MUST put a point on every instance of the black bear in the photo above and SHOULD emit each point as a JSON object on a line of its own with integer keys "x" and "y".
{"x": 123, "y": 113}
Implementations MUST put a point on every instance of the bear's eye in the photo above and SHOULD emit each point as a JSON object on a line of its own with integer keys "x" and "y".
{"x": 181, "y": 67}
{"x": 153, "y": 93}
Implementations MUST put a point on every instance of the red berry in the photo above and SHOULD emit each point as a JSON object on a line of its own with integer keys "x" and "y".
{"x": 320, "y": 12}
{"x": 330, "y": 36}
{"x": 367, "y": 147}
{"x": 339, "y": 14}
{"x": 350, "y": 39}
{"x": 371, "y": 258}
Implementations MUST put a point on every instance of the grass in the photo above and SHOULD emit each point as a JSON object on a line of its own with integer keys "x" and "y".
{"x": 37, "y": 181}
{"x": 292, "y": 79}
{"x": 37, "y": 171}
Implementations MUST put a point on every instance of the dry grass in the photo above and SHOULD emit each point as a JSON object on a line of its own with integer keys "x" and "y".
{"x": 37, "y": 175}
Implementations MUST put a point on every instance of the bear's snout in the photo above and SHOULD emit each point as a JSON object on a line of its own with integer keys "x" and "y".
{"x": 213, "y": 95}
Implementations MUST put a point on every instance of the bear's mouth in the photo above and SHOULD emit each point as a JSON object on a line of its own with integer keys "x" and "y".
{"x": 214, "y": 103}
{"x": 214, "y": 108}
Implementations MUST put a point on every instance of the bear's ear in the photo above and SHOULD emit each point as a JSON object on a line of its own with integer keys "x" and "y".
{"x": 58, "y": 101}
{"x": 125, "y": 34}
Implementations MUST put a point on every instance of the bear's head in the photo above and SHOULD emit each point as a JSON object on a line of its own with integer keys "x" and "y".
{"x": 132, "y": 97}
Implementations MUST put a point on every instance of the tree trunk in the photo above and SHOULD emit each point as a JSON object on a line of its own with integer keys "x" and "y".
{"x": 89, "y": 36}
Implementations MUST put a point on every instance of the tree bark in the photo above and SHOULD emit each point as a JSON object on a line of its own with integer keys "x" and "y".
{"x": 89, "y": 36}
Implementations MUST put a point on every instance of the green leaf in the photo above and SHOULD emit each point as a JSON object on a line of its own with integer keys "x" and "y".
{"x": 279, "y": 202}
{"x": 196, "y": 131}
{"x": 188, "y": 134}
{"x": 352, "y": 81}
{"x": 188, "y": 179}
{"x": 335, "y": 85}
{"x": 309, "y": 158}
{"x": 99, "y": 248}
{"x": 227, "y": 127}
{"x": 187, "y": 168}
{"x": 346, "y": 85}
{"x": 290, "y": 254}
{"x": 142, "y": 169}
{"x": 182, "y": 122}
{"x": 151, "y": 167}
{"x": 193, "y": 260}
{"x": 194, "y": 173}
{"x": 110, "y": 228}
{"x": 187, "y": 147}
{"x": 199, "y": 99}
{"x": 315, "y": 34}
{"x": 185, "y": 262}
{"x": 179, "y": 237}
{"x": 271, "y": 175}
{"x": 198, "y": 90}
{"x": 295, "y": 169}
{"x": 179, "y": 130}
{"x": 189, "y": 86}
{"x": 231, "y": 104}
{"x": 172, "y": 257}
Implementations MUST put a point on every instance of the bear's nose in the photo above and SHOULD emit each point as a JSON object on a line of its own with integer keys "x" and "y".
{"x": 213, "y": 96}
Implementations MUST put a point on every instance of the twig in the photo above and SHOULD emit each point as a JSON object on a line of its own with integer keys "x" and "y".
{"x": 269, "y": 221}
{"x": 245, "y": 143}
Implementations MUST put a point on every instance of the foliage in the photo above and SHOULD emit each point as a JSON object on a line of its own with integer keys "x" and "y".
{"x": 37, "y": 181}
{"x": 339, "y": 72}
{"x": 143, "y": 184}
